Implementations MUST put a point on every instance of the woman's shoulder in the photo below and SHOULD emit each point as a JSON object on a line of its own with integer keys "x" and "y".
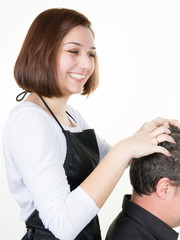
{"x": 27, "y": 115}
{"x": 26, "y": 109}
{"x": 28, "y": 122}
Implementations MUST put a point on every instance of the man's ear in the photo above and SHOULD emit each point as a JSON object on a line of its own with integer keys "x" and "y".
{"x": 163, "y": 187}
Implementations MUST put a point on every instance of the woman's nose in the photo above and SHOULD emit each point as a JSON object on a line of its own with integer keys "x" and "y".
{"x": 86, "y": 62}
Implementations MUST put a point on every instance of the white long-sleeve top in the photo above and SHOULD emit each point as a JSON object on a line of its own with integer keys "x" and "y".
{"x": 34, "y": 151}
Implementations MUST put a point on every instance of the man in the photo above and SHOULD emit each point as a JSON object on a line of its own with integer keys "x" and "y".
{"x": 153, "y": 210}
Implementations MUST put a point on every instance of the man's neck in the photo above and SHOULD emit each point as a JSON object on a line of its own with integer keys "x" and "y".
{"x": 150, "y": 203}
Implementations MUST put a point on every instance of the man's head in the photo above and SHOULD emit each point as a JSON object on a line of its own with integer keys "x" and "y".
{"x": 156, "y": 179}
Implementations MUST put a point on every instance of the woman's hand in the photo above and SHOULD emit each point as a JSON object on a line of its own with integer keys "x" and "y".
{"x": 145, "y": 140}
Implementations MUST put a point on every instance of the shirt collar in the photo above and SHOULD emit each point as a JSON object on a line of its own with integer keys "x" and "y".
{"x": 154, "y": 225}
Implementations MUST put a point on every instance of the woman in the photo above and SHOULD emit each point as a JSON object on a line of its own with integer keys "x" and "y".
{"x": 52, "y": 156}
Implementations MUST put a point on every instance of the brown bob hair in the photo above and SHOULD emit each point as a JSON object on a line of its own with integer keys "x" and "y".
{"x": 35, "y": 68}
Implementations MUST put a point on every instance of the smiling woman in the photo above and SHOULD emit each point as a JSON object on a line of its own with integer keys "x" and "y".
{"x": 75, "y": 60}
{"x": 36, "y": 63}
{"x": 59, "y": 171}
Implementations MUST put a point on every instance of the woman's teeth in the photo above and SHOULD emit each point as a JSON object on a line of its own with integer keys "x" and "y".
{"x": 77, "y": 76}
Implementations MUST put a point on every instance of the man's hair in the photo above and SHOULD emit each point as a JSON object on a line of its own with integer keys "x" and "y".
{"x": 36, "y": 66}
{"x": 145, "y": 172}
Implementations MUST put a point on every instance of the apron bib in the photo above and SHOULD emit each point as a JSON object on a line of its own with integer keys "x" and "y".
{"x": 81, "y": 159}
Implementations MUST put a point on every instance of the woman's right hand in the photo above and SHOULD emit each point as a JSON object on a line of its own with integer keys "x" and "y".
{"x": 145, "y": 140}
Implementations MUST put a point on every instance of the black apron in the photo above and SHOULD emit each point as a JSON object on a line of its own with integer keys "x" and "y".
{"x": 81, "y": 159}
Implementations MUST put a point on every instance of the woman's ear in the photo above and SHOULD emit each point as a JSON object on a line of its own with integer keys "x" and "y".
{"x": 163, "y": 188}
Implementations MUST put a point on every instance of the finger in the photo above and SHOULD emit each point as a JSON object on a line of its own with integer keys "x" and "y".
{"x": 166, "y": 122}
{"x": 159, "y": 121}
{"x": 174, "y": 122}
{"x": 161, "y": 130}
{"x": 164, "y": 138}
{"x": 162, "y": 150}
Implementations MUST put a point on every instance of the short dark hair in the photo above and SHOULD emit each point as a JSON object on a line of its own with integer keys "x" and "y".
{"x": 35, "y": 68}
{"x": 145, "y": 172}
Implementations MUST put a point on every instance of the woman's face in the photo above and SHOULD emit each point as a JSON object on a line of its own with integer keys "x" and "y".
{"x": 75, "y": 60}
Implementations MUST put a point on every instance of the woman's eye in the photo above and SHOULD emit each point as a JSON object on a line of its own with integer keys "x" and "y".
{"x": 91, "y": 55}
{"x": 73, "y": 51}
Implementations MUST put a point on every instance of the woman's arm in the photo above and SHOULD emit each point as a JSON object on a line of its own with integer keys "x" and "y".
{"x": 103, "y": 179}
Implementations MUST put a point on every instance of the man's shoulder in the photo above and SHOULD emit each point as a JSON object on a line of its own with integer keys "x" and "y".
{"x": 120, "y": 227}
{"x": 126, "y": 228}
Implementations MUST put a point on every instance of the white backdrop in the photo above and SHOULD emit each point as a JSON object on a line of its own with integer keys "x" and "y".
{"x": 138, "y": 44}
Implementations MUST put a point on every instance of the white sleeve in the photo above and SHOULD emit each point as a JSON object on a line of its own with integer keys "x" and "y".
{"x": 37, "y": 155}
{"x": 104, "y": 147}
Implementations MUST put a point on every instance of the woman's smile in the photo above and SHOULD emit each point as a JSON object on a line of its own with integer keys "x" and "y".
{"x": 76, "y": 76}
{"x": 75, "y": 60}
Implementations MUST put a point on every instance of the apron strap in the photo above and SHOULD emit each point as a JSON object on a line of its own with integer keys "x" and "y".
{"x": 54, "y": 115}
{"x": 71, "y": 117}
{"x": 21, "y": 96}
{"x": 51, "y": 112}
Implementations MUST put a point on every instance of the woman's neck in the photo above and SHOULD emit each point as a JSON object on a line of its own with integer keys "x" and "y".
{"x": 56, "y": 104}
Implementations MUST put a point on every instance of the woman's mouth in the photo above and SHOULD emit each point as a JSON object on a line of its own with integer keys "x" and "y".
{"x": 76, "y": 76}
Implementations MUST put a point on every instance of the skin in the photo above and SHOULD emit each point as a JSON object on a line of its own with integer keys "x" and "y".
{"x": 75, "y": 55}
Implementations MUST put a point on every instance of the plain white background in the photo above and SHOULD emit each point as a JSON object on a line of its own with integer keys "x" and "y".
{"x": 138, "y": 45}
